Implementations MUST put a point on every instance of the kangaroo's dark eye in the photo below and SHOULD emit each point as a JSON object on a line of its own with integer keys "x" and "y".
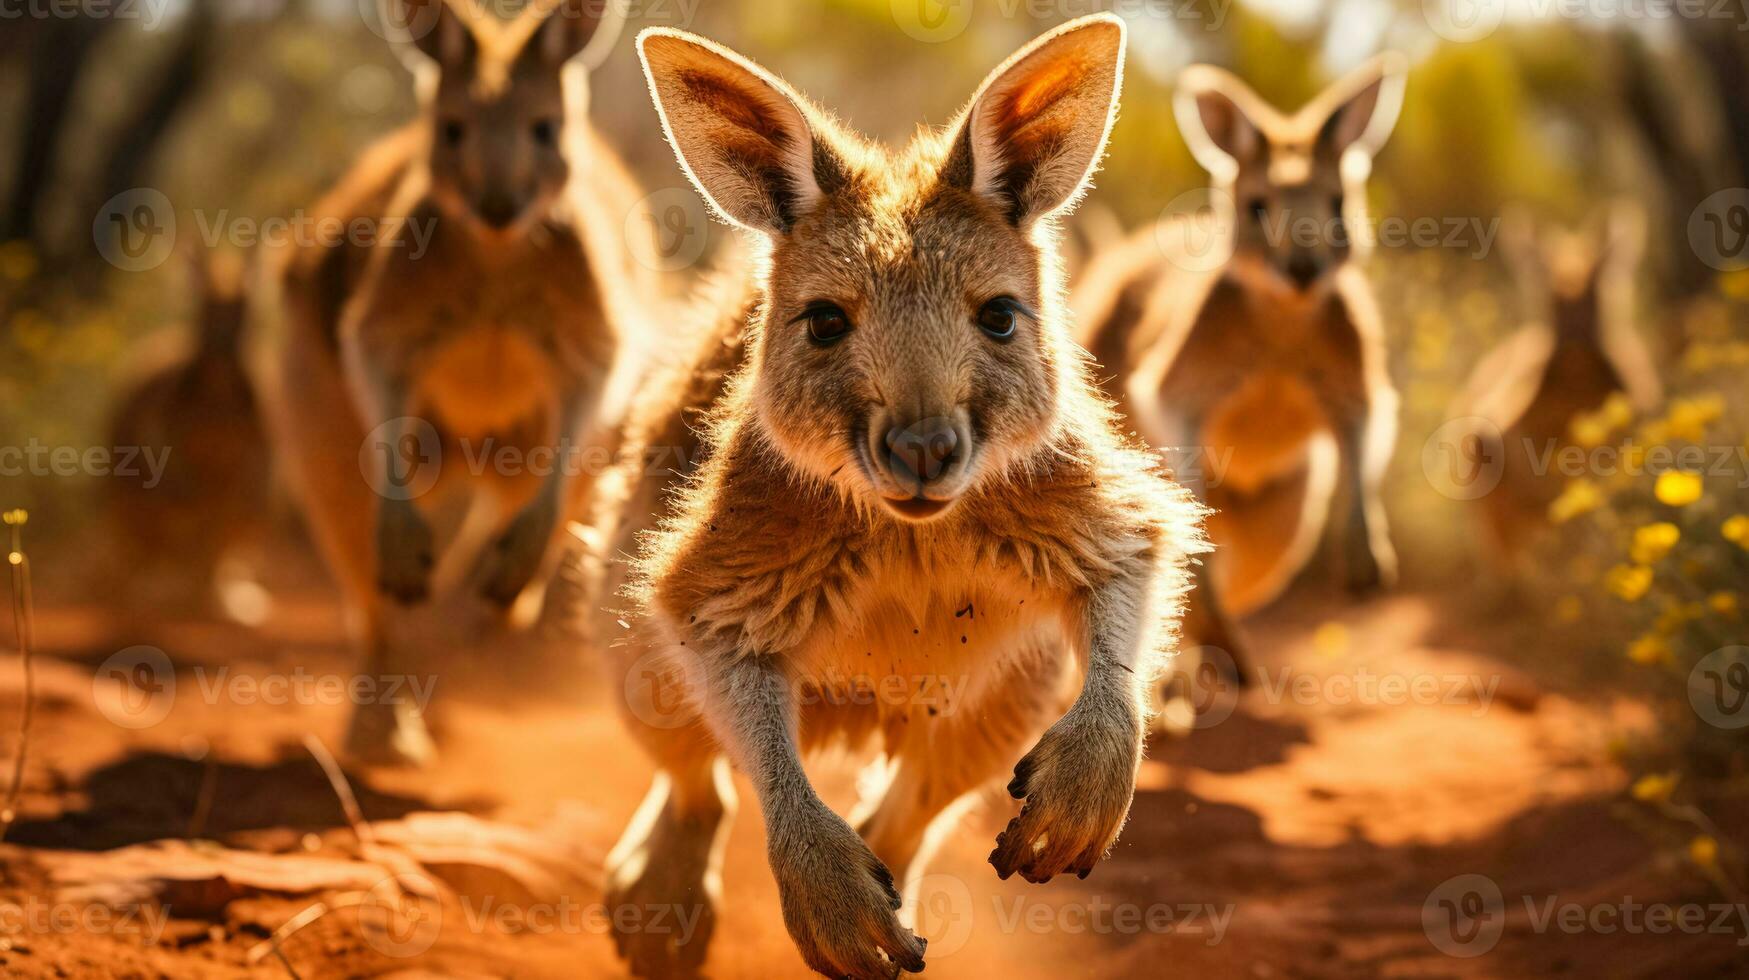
{"x": 827, "y": 323}
{"x": 999, "y": 317}
{"x": 453, "y": 131}
{"x": 545, "y": 132}
{"x": 1259, "y": 209}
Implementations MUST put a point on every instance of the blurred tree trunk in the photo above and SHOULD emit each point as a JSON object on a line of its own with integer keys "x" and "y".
{"x": 58, "y": 49}
{"x": 131, "y": 153}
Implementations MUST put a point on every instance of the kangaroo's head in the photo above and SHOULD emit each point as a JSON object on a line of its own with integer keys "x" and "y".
{"x": 1576, "y": 276}
{"x": 911, "y": 342}
{"x": 1297, "y": 182}
{"x": 505, "y": 100}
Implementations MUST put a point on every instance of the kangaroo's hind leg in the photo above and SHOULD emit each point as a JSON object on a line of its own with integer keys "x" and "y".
{"x": 664, "y": 877}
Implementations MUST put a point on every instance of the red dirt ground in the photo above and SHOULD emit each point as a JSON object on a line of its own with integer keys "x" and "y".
{"x": 1314, "y": 825}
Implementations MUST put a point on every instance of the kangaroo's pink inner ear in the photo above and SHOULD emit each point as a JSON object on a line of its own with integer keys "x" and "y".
{"x": 1367, "y": 104}
{"x": 1211, "y": 109}
{"x": 1037, "y": 128}
{"x": 742, "y": 136}
{"x": 433, "y": 28}
{"x": 564, "y": 29}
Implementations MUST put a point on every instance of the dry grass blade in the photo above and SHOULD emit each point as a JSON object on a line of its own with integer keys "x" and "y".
{"x": 24, "y": 627}
{"x": 343, "y": 790}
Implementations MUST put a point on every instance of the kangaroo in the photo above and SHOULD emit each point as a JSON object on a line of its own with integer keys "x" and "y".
{"x": 906, "y": 474}
{"x": 486, "y": 316}
{"x": 1259, "y": 345}
{"x": 196, "y": 413}
{"x": 1525, "y": 394}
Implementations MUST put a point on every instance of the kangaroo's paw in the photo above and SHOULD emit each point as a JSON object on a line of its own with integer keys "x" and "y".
{"x": 839, "y": 901}
{"x": 511, "y": 562}
{"x": 405, "y": 554}
{"x": 1077, "y": 783}
{"x": 389, "y": 734}
{"x": 660, "y": 899}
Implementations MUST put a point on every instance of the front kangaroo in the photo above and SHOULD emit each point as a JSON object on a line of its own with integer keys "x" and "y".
{"x": 911, "y": 507}
{"x": 1260, "y": 345}
{"x": 482, "y": 319}
{"x": 1580, "y": 349}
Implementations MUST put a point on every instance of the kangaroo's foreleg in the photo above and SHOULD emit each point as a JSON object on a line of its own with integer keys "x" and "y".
{"x": 839, "y": 900}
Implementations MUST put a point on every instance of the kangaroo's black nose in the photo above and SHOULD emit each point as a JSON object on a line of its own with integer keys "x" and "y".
{"x": 1302, "y": 269}
{"x": 922, "y": 452}
{"x": 498, "y": 210}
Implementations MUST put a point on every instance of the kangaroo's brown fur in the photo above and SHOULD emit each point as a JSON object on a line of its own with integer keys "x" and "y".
{"x": 1261, "y": 355}
{"x": 1580, "y": 349}
{"x": 503, "y": 334}
{"x": 799, "y": 564}
{"x": 198, "y": 407}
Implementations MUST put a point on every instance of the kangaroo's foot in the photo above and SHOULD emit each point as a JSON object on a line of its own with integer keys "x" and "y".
{"x": 389, "y": 734}
{"x": 661, "y": 889}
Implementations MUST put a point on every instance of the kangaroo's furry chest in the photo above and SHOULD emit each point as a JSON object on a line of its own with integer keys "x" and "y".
{"x": 919, "y": 646}
{"x": 1241, "y": 333}
{"x": 487, "y": 337}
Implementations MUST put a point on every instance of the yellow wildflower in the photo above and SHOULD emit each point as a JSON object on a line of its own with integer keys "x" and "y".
{"x": 1723, "y": 603}
{"x": 1736, "y": 530}
{"x": 1589, "y": 430}
{"x": 1704, "y": 851}
{"x": 1655, "y": 788}
{"x": 1649, "y": 649}
{"x": 1653, "y": 542}
{"x": 1331, "y": 640}
{"x": 1629, "y": 582}
{"x": 1677, "y": 488}
{"x": 1617, "y": 411}
{"x": 1580, "y": 497}
{"x": 1689, "y": 417}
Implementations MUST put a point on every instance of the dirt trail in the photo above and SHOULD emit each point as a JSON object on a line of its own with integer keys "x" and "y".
{"x": 1302, "y": 835}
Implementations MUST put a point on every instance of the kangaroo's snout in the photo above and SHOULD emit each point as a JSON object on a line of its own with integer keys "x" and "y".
{"x": 1304, "y": 268}
{"x": 919, "y": 466}
{"x": 498, "y": 209}
{"x": 923, "y": 452}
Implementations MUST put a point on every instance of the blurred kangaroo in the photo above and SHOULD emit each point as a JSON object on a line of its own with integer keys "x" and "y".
{"x": 196, "y": 494}
{"x": 1258, "y": 344}
{"x": 906, "y": 473}
{"x": 499, "y": 335}
{"x": 1580, "y": 349}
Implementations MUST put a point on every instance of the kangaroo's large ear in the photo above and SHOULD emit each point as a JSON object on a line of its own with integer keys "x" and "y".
{"x": 1363, "y": 106}
{"x": 1038, "y": 125}
{"x": 560, "y": 30}
{"x": 1220, "y": 118}
{"x": 427, "y": 32}
{"x": 742, "y": 135}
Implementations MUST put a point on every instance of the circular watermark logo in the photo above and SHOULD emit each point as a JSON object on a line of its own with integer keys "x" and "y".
{"x": 933, "y": 21}
{"x": 1465, "y": 458}
{"x": 1718, "y": 688}
{"x": 1718, "y": 230}
{"x": 1212, "y": 688}
{"x": 399, "y": 20}
{"x": 401, "y": 915}
{"x": 1462, "y": 21}
{"x": 944, "y": 913}
{"x": 662, "y": 688}
{"x": 402, "y": 458}
{"x": 135, "y": 231}
{"x": 1195, "y": 230}
{"x": 1464, "y": 916}
{"x": 136, "y": 687}
{"x": 668, "y": 230}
